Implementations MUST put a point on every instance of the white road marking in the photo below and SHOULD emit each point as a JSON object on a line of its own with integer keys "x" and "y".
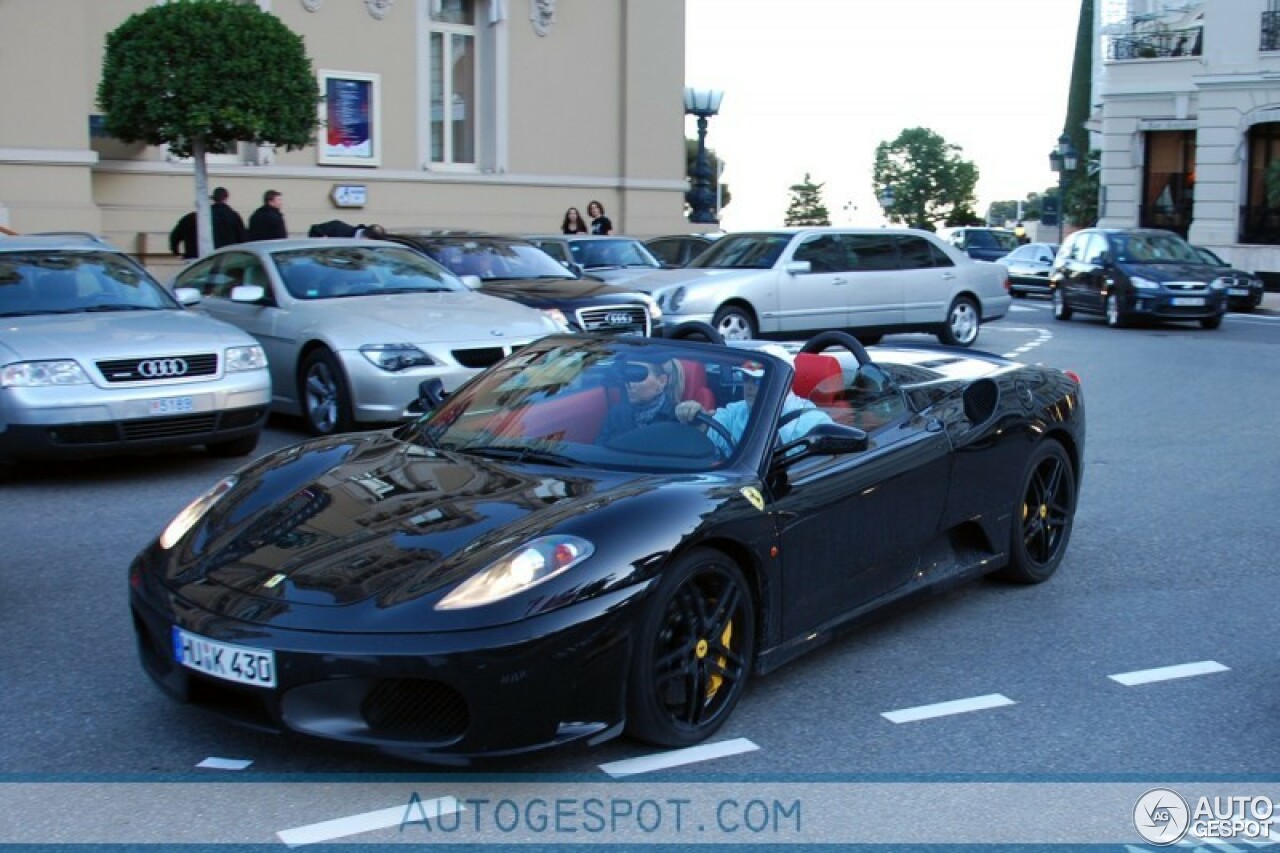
{"x": 381, "y": 819}
{"x": 945, "y": 709}
{"x": 675, "y": 758}
{"x": 1043, "y": 336}
{"x": 1167, "y": 673}
{"x": 214, "y": 763}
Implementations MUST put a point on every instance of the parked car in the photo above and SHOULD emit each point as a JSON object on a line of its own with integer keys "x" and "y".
{"x": 1244, "y": 290}
{"x": 1029, "y": 267}
{"x": 97, "y": 358}
{"x": 616, "y": 260}
{"x": 498, "y": 578}
{"x": 982, "y": 244}
{"x": 353, "y": 326}
{"x": 677, "y": 250}
{"x": 1127, "y": 274}
{"x": 798, "y": 280}
{"x": 515, "y": 269}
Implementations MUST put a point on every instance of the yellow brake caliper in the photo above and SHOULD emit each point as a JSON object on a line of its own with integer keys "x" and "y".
{"x": 700, "y": 650}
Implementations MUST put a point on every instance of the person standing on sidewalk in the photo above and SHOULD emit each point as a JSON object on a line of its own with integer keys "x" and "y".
{"x": 228, "y": 227}
{"x": 267, "y": 222}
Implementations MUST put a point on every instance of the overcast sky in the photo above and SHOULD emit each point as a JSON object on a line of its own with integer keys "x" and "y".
{"x": 814, "y": 85}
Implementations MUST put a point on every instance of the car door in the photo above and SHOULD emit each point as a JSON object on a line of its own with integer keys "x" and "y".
{"x": 850, "y": 527}
{"x": 929, "y": 280}
{"x": 1091, "y": 280}
{"x": 873, "y": 291}
{"x": 814, "y": 299}
{"x": 1068, "y": 268}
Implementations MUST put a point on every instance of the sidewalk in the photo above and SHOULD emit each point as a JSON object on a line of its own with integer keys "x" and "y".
{"x": 1270, "y": 304}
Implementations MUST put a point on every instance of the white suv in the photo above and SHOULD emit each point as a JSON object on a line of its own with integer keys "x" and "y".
{"x": 97, "y": 358}
{"x": 871, "y": 281}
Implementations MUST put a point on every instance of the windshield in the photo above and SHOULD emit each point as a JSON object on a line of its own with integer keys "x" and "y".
{"x": 1154, "y": 248}
{"x": 72, "y": 282}
{"x": 495, "y": 259}
{"x": 595, "y": 254}
{"x": 743, "y": 252}
{"x": 604, "y": 403}
{"x": 326, "y": 272}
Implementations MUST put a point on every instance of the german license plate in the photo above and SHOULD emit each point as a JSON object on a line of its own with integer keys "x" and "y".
{"x": 171, "y": 405}
{"x": 1187, "y": 301}
{"x": 241, "y": 664}
{"x": 1238, "y": 291}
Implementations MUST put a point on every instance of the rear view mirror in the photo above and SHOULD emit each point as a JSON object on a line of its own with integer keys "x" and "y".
{"x": 473, "y": 282}
{"x": 798, "y": 267}
{"x": 248, "y": 293}
{"x": 823, "y": 440}
{"x": 187, "y": 295}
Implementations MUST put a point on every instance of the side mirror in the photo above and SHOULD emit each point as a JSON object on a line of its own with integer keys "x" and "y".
{"x": 798, "y": 267}
{"x": 1104, "y": 258}
{"x": 187, "y": 296}
{"x": 430, "y": 393}
{"x": 823, "y": 440}
{"x": 248, "y": 293}
{"x": 472, "y": 282}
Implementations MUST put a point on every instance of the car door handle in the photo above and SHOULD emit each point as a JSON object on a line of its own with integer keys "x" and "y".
{"x": 948, "y": 276}
{"x": 839, "y": 280}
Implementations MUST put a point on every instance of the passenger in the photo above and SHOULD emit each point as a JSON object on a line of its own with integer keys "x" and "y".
{"x": 651, "y": 398}
{"x": 797, "y": 418}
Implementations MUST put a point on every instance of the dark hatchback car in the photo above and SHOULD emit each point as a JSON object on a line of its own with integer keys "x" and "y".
{"x": 1244, "y": 290}
{"x": 516, "y": 269}
{"x": 1127, "y": 274}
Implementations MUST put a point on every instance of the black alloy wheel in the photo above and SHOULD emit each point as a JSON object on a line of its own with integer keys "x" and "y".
{"x": 1043, "y": 516}
{"x": 693, "y": 652}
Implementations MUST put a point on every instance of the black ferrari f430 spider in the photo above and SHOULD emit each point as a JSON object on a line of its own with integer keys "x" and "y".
{"x": 603, "y": 535}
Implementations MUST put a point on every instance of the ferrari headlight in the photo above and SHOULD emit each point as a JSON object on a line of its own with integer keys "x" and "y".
{"x": 194, "y": 511}
{"x": 395, "y": 357}
{"x": 33, "y": 374}
{"x": 245, "y": 358}
{"x": 1143, "y": 283}
{"x": 528, "y": 566}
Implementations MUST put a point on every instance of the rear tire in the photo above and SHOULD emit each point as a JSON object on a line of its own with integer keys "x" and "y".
{"x": 963, "y": 323}
{"x": 1043, "y": 516}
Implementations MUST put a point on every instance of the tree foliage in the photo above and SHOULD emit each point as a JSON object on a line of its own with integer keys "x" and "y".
{"x": 203, "y": 75}
{"x": 806, "y": 206}
{"x": 931, "y": 182}
{"x": 691, "y": 154}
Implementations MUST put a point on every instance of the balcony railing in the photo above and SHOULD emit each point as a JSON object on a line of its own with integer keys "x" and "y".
{"x": 1157, "y": 44}
{"x": 1260, "y": 225}
{"x": 1270, "y": 31}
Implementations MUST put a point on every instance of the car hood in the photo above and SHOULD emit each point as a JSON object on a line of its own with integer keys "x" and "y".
{"x": 116, "y": 334}
{"x": 549, "y": 291}
{"x": 437, "y": 317}
{"x": 655, "y": 281}
{"x": 367, "y": 532}
{"x": 1173, "y": 272}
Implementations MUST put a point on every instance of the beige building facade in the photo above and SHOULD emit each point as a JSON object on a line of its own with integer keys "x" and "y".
{"x": 485, "y": 114}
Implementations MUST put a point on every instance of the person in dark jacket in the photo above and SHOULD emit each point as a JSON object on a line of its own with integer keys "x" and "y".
{"x": 182, "y": 239}
{"x": 267, "y": 222}
{"x": 228, "y": 227}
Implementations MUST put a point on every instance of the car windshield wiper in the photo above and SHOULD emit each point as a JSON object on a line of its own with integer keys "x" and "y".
{"x": 120, "y": 307}
{"x": 396, "y": 290}
{"x": 519, "y": 454}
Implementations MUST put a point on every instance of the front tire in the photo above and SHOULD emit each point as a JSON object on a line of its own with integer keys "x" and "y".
{"x": 963, "y": 323}
{"x": 1061, "y": 310}
{"x": 322, "y": 391}
{"x": 693, "y": 652}
{"x": 1211, "y": 322}
{"x": 1116, "y": 318}
{"x": 1043, "y": 516}
{"x": 735, "y": 323}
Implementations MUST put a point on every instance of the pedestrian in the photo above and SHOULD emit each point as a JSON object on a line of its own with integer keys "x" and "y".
{"x": 228, "y": 227}
{"x": 182, "y": 239}
{"x": 600, "y": 224}
{"x": 267, "y": 222}
{"x": 574, "y": 223}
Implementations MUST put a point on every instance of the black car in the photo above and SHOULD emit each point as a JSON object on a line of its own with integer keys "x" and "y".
{"x": 1029, "y": 267}
{"x": 1126, "y": 274}
{"x": 1244, "y": 290}
{"x": 515, "y": 570}
{"x": 516, "y": 269}
{"x": 983, "y": 244}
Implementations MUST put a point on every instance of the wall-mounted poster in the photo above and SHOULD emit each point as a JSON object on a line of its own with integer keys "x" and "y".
{"x": 349, "y": 116}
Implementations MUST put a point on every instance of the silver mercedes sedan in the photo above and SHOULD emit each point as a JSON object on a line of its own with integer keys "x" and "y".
{"x": 352, "y": 327}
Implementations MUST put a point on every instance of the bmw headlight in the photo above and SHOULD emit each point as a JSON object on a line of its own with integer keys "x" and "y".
{"x": 395, "y": 357}
{"x": 557, "y": 316}
{"x": 245, "y": 358}
{"x": 528, "y": 566}
{"x": 185, "y": 520}
{"x": 34, "y": 374}
{"x": 1143, "y": 283}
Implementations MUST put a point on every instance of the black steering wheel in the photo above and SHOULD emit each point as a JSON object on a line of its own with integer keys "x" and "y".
{"x": 721, "y": 430}
{"x": 825, "y": 340}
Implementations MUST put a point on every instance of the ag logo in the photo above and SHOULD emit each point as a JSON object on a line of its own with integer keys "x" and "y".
{"x": 1161, "y": 816}
{"x": 752, "y": 494}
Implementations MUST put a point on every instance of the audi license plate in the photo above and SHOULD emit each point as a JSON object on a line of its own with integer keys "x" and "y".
{"x": 241, "y": 664}
{"x": 1238, "y": 291}
{"x": 1187, "y": 301}
{"x": 171, "y": 406}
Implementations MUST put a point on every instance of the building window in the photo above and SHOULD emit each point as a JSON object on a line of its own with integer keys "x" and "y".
{"x": 1260, "y": 222}
{"x": 1169, "y": 181}
{"x": 452, "y": 83}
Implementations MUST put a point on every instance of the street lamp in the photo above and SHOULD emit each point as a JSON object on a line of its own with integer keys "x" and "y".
{"x": 887, "y": 200}
{"x": 703, "y": 103}
{"x": 1063, "y": 160}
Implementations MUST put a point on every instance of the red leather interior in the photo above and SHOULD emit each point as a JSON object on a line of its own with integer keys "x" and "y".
{"x": 818, "y": 373}
{"x": 577, "y": 417}
{"x": 695, "y": 384}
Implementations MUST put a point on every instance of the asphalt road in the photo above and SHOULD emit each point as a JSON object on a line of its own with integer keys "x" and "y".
{"x": 1172, "y": 563}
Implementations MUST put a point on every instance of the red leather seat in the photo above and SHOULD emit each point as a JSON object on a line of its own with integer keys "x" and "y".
{"x": 818, "y": 378}
{"x": 695, "y": 384}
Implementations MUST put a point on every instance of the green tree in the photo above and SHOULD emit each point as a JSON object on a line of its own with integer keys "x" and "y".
{"x": 1081, "y": 201}
{"x": 931, "y": 182}
{"x": 806, "y": 206}
{"x": 203, "y": 75}
{"x": 691, "y": 154}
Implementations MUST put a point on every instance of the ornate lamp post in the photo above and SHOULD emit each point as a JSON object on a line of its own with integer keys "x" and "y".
{"x": 1063, "y": 160}
{"x": 703, "y": 103}
{"x": 887, "y": 200}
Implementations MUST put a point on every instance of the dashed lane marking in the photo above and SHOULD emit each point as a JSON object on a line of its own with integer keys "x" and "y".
{"x": 215, "y": 763}
{"x": 678, "y": 757}
{"x": 946, "y": 709}
{"x": 1168, "y": 673}
{"x": 340, "y": 827}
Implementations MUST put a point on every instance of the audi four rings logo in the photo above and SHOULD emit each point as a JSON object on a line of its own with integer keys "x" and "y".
{"x": 159, "y": 368}
{"x": 617, "y": 318}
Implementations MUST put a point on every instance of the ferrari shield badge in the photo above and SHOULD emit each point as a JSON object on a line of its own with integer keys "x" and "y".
{"x": 752, "y": 494}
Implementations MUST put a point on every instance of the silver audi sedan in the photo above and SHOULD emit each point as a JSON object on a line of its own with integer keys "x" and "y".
{"x": 352, "y": 327}
{"x": 97, "y": 358}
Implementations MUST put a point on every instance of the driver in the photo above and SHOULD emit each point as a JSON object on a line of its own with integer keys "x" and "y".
{"x": 735, "y": 415}
{"x": 651, "y": 395}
